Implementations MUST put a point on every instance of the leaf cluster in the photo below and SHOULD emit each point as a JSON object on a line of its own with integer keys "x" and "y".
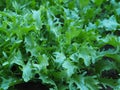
{"x": 65, "y": 44}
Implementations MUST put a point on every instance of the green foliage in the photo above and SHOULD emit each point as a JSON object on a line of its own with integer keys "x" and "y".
{"x": 69, "y": 44}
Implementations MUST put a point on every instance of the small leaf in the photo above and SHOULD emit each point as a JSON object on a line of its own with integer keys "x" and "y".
{"x": 109, "y": 24}
{"x": 84, "y": 83}
{"x": 92, "y": 83}
{"x": 5, "y": 84}
{"x": 8, "y": 82}
{"x": 17, "y": 59}
{"x": 104, "y": 64}
{"x": 27, "y": 72}
{"x": 75, "y": 57}
{"x": 118, "y": 11}
{"x": 91, "y": 26}
{"x": 70, "y": 67}
{"x": 43, "y": 61}
{"x": 59, "y": 57}
{"x": 88, "y": 54}
{"x": 48, "y": 81}
{"x": 31, "y": 45}
{"x": 110, "y": 82}
{"x": 37, "y": 17}
{"x": 79, "y": 82}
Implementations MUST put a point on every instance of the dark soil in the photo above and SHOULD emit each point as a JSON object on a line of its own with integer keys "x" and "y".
{"x": 30, "y": 86}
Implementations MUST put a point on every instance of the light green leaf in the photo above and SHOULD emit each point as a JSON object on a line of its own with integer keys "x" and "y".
{"x": 8, "y": 82}
{"x": 92, "y": 83}
{"x": 75, "y": 57}
{"x": 84, "y": 83}
{"x": 29, "y": 41}
{"x": 27, "y": 72}
{"x": 51, "y": 24}
{"x": 49, "y": 81}
{"x": 109, "y": 24}
{"x": 88, "y": 54}
{"x": 59, "y": 57}
{"x": 31, "y": 45}
{"x": 70, "y": 67}
{"x": 79, "y": 81}
{"x": 118, "y": 11}
{"x": 37, "y": 18}
{"x": 5, "y": 83}
{"x": 42, "y": 63}
{"x": 17, "y": 59}
{"x": 91, "y": 26}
